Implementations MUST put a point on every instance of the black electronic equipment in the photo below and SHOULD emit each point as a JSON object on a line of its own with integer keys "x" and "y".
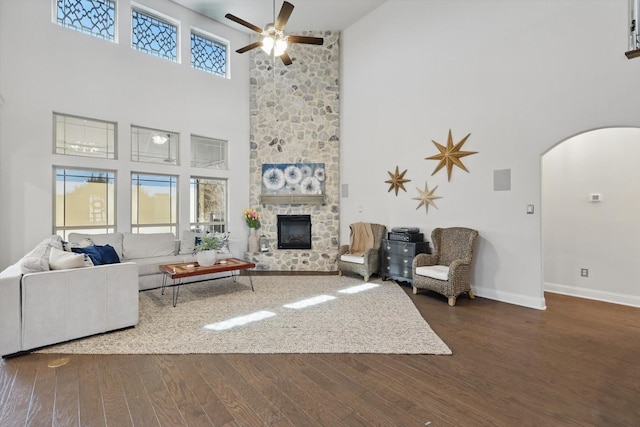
{"x": 405, "y": 230}
{"x": 406, "y": 237}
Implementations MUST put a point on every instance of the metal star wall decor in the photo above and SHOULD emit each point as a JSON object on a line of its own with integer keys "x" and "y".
{"x": 450, "y": 155}
{"x": 397, "y": 180}
{"x": 427, "y": 197}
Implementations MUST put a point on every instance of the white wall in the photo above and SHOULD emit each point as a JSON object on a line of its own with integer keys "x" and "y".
{"x": 520, "y": 76}
{"x": 46, "y": 68}
{"x": 602, "y": 237}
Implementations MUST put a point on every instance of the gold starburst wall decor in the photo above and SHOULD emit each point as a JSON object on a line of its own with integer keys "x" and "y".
{"x": 426, "y": 197}
{"x": 450, "y": 155}
{"x": 397, "y": 180}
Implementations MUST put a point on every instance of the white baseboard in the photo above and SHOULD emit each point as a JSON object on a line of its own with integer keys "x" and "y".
{"x": 623, "y": 299}
{"x": 517, "y": 299}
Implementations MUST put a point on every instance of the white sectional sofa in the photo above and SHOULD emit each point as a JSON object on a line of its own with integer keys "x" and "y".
{"x": 40, "y": 306}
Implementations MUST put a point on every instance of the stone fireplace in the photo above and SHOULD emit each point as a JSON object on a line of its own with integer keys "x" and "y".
{"x": 295, "y": 119}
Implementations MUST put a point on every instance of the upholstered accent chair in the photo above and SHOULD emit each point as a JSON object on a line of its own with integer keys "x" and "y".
{"x": 447, "y": 270}
{"x": 362, "y": 255}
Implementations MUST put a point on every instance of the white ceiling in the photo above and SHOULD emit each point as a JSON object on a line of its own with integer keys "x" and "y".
{"x": 308, "y": 15}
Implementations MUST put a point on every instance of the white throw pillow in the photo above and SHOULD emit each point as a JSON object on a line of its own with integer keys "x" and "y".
{"x": 38, "y": 258}
{"x": 61, "y": 260}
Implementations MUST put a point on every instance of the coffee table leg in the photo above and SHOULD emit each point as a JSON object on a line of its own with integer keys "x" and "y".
{"x": 176, "y": 290}
{"x": 250, "y": 279}
{"x": 164, "y": 283}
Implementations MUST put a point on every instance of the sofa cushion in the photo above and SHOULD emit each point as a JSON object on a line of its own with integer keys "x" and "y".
{"x": 38, "y": 258}
{"x": 112, "y": 239}
{"x": 60, "y": 260}
{"x": 148, "y": 245}
{"x": 188, "y": 242}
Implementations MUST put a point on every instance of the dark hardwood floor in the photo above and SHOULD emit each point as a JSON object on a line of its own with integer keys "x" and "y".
{"x": 575, "y": 364}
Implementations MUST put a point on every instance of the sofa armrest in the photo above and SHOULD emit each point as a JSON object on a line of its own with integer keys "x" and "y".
{"x": 10, "y": 311}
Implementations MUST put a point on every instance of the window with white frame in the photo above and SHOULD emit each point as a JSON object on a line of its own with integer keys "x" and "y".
{"x": 81, "y": 136}
{"x": 94, "y": 17}
{"x": 154, "y": 203}
{"x": 208, "y": 53}
{"x": 154, "y": 146}
{"x": 154, "y": 34}
{"x": 84, "y": 201}
{"x": 208, "y": 210}
{"x": 208, "y": 153}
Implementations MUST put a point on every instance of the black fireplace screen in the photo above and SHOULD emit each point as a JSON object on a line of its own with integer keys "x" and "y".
{"x": 294, "y": 232}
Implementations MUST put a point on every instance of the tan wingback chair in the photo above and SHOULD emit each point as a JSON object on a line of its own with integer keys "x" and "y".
{"x": 366, "y": 260}
{"x": 447, "y": 270}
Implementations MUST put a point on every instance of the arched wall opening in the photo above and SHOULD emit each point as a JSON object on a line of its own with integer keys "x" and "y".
{"x": 590, "y": 215}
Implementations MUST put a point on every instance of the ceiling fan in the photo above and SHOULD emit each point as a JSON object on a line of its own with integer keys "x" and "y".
{"x": 274, "y": 40}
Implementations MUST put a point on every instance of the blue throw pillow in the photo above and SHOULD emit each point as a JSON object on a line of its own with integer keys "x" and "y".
{"x": 108, "y": 254}
{"x": 93, "y": 253}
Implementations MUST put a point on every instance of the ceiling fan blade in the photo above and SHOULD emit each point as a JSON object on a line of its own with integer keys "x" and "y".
{"x": 283, "y": 16}
{"x": 286, "y": 59}
{"x": 305, "y": 40}
{"x": 249, "y": 47}
{"x": 244, "y": 23}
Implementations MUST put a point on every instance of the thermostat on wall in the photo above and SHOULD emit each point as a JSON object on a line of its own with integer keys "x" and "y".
{"x": 595, "y": 197}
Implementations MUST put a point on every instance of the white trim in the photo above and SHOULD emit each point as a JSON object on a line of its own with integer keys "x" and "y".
{"x": 594, "y": 294}
{"x": 508, "y": 297}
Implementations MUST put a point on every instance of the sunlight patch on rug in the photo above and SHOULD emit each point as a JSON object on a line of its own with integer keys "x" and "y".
{"x": 239, "y": 321}
{"x": 309, "y": 302}
{"x": 358, "y": 288}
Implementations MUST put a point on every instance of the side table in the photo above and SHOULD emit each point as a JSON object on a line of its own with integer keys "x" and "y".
{"x": 397, "y": 259}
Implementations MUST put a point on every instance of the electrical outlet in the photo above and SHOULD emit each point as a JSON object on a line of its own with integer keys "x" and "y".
{"x": 584, "y": 272}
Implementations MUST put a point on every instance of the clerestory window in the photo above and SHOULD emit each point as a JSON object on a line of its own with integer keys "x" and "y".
{"x": 94, "y": 17}
{"x": 154, "y": 34}
{"x": 208, "y": 53}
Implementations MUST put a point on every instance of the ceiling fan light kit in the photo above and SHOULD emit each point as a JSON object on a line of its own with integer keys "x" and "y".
{"x": 274, "y": 41}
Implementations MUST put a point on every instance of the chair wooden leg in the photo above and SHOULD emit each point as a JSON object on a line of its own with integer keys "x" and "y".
{"x": 415, "y": 290}
{"x": 366, "y": 278}
{"x": 471, "y": 295}
{"x": 339, "y": 273}
{"x": 452, "y": 301}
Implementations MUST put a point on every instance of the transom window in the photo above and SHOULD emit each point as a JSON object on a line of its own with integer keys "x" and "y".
{"x": 84, "y": 201}
{"x": 154, "y": 146}
{"x": 154, "y": 203}
{"x": 94, "y": 17}
{"x": 208, "y": 153}
{"x": 154, "y": 35}
{"x": 81, "y": 136}
{"x": 208, "y": 211}
{"x": 208, "y": 54}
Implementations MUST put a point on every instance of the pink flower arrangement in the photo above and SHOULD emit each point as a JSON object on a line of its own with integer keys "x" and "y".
{"x": 252, "y": 217}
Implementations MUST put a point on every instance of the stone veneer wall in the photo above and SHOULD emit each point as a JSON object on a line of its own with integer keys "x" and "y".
{"x": 295, "y": 119}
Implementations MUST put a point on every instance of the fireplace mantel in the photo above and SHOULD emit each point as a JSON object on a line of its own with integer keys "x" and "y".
{"x": 292, "y": 199}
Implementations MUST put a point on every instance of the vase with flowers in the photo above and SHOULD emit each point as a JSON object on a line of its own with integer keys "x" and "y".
{"x": 252, "y": 218}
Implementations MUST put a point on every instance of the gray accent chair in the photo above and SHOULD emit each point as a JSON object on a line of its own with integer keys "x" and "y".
{"x": 447, "y": 270}
{"x": 371, "y": 260}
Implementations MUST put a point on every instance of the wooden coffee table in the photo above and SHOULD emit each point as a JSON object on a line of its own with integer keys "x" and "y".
{"x": 190, "y": 269}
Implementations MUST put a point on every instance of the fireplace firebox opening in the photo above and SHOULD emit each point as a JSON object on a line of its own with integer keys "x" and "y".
{"x": 294, "y": 231}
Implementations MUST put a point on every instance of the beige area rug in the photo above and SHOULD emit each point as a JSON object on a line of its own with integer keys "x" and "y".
{"x": 380, "y": 318}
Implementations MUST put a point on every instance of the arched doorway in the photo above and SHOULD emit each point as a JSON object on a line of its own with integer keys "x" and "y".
{"x": 591, "y": 215}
